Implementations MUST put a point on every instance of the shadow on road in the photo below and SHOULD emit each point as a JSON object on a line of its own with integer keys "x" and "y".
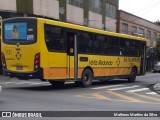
{"x": 71, "y": 86}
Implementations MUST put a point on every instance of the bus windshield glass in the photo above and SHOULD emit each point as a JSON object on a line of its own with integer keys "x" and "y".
{"x": 22, "y": 31}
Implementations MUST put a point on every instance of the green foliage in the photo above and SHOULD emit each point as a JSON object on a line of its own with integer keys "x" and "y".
{"x": 157, "y": 22}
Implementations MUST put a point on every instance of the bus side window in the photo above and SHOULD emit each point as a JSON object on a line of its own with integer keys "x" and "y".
{"x": 70, "y": 43}
{"x": 54, "y": 37}
{"x": 123, "y": 49}
{"x": 100, "y": 44}
{"x": 85, "y": 42}
{"x": 114, "y": 46}
{"x": 48, "y": 40}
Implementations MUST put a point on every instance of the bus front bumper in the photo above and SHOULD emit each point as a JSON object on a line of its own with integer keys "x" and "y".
{"x": 38, "y": 74}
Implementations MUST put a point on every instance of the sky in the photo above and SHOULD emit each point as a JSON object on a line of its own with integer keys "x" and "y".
{"x": 147, "y": 9}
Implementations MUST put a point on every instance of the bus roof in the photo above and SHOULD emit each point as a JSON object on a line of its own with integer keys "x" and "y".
{"x": 79, "y": 27}
{"x": 88, "y": 29}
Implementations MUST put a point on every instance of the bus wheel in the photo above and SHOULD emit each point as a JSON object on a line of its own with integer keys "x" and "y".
{"x": 56, "y": 83}
{"x": 133, "y": 76}
{"x": 86, "y": 79}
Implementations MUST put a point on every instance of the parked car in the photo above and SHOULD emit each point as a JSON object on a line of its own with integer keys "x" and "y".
{"x": 156, "y": 68}
{"x": 0, "y": 88}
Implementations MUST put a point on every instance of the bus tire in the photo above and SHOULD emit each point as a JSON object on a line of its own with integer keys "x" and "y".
{"x": 86, "y": 78}
{"x": 133, "y": 76}
{"x": 56, "y": 83}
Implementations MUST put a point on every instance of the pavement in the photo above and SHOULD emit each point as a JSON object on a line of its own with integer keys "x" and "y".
{"x": 157, "y": 87}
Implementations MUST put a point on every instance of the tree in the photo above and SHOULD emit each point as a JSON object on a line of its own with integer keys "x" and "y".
{"x": 158, "y": 44}
{"x": 157, "y": 22}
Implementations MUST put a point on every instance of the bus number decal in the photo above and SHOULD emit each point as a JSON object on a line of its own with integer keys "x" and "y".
{"x": 8, "y": 52}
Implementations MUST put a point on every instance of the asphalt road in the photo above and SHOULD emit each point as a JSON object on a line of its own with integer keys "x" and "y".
{"x": 117, "y": 95}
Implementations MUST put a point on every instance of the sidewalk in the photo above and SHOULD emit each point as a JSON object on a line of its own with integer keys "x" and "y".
{"x": 157, "y": 87}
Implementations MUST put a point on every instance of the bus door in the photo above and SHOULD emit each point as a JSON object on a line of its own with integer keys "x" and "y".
{"x": 143, "y": 58}
{"x": 72, "y": 55}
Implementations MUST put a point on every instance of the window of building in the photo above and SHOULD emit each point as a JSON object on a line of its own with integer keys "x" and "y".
{"x": 141, "y": 31}
{"x": 85, "y": 43}
{"x": 95, "y": 6}
{"x": 134, "y": 30}
{"x": 148, "y": 35}
{"x": 154, "y": 35}
{"x": 125, "y": 28}
{"x": 54, "y": 37}
{"x": 111, "y": 11}
{"x": 78, "y": 3}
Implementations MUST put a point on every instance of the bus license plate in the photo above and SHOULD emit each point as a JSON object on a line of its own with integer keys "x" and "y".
{"x": 19, "y": 67}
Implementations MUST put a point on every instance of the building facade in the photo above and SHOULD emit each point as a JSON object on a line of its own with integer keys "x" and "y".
{"x": 101, "y": 14}
{"x": 133, "y": 25}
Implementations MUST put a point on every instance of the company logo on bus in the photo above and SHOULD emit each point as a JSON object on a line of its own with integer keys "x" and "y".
{"x": 18, "y": 44}
{"x": 18, "y": 54}
{"x": 118, "y": 62}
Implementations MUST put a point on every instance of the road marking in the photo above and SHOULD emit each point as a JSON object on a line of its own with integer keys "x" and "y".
{"x": 70, "y": 82}
{"x": 36, "y": 83}
{"x": 41, "y": 84}
{"x": 114, "y": 89}
{"x": 138, "y": 90}
{"x": 22, "y": 83}
{"x": 99, "y": 96}
{"x": 6, "y": 83}
{"x": 148, "y": 97}
{"x": 33, "y": 83}
{"x": 19, "y": 83}
{"x": 0, "y": 88}
{"x": 96, "y": 88}
{"x": 116, "y": 100}
{"x": 125, "y": 97}
{"x": 151, "y": 93}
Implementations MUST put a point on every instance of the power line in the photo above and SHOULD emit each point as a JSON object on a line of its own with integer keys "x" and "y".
{"x": 148, "y": 7}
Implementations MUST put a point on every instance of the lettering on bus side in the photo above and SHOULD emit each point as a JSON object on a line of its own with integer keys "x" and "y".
{"x": 100, "y": 62}
{"x": 131, "y": 59}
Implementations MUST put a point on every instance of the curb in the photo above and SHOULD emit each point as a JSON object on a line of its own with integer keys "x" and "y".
{"x": 156, "y": 87}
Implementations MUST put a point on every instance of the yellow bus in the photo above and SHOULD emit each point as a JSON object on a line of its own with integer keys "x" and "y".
{"x": 0, "y": 43}
{"x": 56, "y": 52}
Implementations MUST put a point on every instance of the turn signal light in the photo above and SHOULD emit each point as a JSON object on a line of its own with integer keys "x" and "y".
{"x": 37, "y": 61}
{"x": 3, "y": 60}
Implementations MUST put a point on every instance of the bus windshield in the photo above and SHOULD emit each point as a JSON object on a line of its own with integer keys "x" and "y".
{"x": 21, "y": 31}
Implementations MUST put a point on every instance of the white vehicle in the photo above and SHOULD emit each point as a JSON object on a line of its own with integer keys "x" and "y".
{"x": 0, "y": 88}
{"x": 156, "y": 68}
